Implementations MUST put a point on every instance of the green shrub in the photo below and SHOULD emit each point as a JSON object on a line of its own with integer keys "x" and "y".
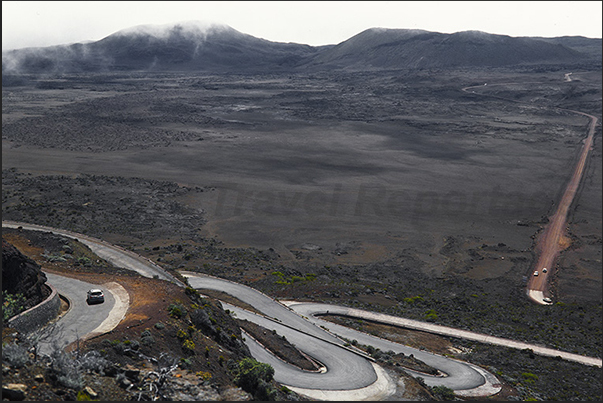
{"x": 191, "y": 292}
{"x": 146, "y": 338}
{"x": 185, "y": 363}
{"x": 253, "y": 375}
{"x": 443, "y": 393}
{"x": 204, "y": 375}
{"x": 414, "y": 299}
{"x": 431, "y": 315}
{"x": 84, "y": 261}
{"x": 119, "y": 348}
{"x": 176, "y": 310}
{"x": 529, "y": 378}
{"x": 12, "y": 305}
{"x": 203, "y": 321}
{"x": 83, "y": 396}
{"x": 189, "y": 346}
{"x": 264, "y": 392}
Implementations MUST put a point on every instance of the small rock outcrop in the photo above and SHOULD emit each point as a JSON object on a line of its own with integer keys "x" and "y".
{"x": 22, "y": 275}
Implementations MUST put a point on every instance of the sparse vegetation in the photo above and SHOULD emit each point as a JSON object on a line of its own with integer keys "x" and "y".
{"x": 443, "y": 393}
{"x": 14, "y": 354}
{"x": 12, "y": 305}
{"x": 255, "y": 377}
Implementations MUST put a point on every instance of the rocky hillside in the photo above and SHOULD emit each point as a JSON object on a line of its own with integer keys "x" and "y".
{"x": 173, "y": 344}
{"x": 21, "y": 275}
{"x": 197, "y": 46}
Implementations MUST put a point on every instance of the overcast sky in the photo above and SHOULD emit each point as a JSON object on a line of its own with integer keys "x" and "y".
{"x": 45, "y": 23}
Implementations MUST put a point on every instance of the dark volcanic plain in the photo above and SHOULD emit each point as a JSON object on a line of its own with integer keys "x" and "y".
{"x": 328, "y": 169}
{"x": 382, "y": 186}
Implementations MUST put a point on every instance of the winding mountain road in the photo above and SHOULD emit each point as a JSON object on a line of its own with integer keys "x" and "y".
{"x": 82, "y": 321}
{"x": 348, "y": 374}
{"x": 346, "y": 369}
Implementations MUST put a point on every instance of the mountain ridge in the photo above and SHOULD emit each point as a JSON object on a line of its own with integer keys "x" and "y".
{"x": 210, "y": 47}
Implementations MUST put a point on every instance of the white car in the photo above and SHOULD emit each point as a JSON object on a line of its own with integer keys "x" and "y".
{"x": 536, "y": 273}
{"x": 95, "y": 296}
{"x": 544, "y": 270}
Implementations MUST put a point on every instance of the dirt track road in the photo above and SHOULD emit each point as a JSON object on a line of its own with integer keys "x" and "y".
{"x": 551, "y": 242}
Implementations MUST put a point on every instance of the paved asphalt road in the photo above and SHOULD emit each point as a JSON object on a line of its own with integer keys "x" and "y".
{"x": 459, "y": 375}
{"x": 80, "y": 320}
{"x": 348, "y": 372}
{"x": 119, "y": 257}
{"x": 344, "y": 369}
{"x": 311, "y": 310}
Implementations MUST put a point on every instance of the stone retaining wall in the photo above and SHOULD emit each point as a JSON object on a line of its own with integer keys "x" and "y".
{"x": 35, "y": 317}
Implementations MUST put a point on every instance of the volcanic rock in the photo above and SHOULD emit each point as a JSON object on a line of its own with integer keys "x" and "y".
{"x": 22, "y": 275}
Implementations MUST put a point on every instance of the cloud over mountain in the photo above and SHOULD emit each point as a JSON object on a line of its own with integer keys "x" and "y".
{"x": 208, "y": 47}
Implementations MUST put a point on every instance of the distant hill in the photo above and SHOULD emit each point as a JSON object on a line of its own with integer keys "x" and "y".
{"x": 590, "y": 46}
{"x": 400, "y": 48}
{"x": 198, "y": 46}
{"x": 189, "y": 46}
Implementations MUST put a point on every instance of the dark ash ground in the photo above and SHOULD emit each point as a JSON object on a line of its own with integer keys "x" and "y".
{"x": 325, "y": 169}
